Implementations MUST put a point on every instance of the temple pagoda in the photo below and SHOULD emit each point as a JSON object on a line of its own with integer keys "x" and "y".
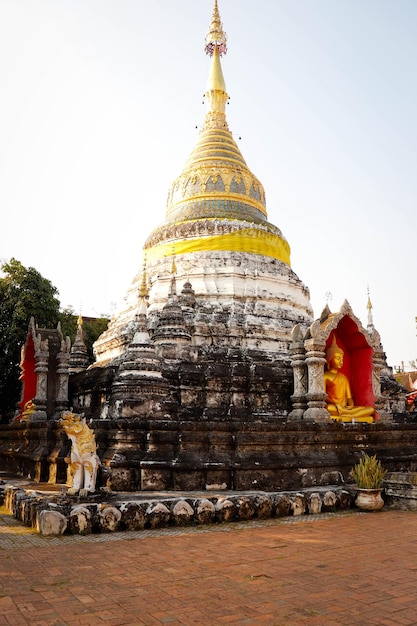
{"x": 213, "y": 375}
{"x": 216, "y": 231}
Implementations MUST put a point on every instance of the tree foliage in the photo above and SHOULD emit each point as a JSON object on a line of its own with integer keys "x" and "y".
{"x": 24, "y": 293}
{"x": 92, "y": 328}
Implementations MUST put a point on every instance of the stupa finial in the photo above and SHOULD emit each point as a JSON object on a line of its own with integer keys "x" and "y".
{"x": 370, "y": 316}
{"x": 369, "y": 305}
{"x": 173, "y": 264}
{"x": 143, "y": 289}
{"x": 79, "y": 337}
{"x": 80, "y": 321}
{"x": 173, "y": 284}
{"x": 216, "y": 94}
{"x": 216, "y": 37}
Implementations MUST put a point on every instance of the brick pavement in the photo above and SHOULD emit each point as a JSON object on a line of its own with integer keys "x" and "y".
{"x": 349, "y": 569}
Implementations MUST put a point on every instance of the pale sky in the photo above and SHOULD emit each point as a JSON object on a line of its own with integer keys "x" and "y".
{"x": 99, "y": 108}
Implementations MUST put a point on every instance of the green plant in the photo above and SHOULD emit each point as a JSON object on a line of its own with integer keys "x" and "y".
{"x": 368, "y": 473}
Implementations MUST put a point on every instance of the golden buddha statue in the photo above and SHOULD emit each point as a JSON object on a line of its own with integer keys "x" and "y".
{"x": 28, "y": 409}
{"x": 339, "y": 396}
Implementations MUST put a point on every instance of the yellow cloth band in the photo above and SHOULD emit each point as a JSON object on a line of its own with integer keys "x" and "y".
{"x": 246, "y": 240}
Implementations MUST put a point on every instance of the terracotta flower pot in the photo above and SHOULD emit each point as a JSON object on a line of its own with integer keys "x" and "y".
{"x": 369, "y": 499}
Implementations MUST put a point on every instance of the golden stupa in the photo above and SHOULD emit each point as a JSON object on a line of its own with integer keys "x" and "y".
{"x": 217, "y": 231}
{"x": 216, "y": 183}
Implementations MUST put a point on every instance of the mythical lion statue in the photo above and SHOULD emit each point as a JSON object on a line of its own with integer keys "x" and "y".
{"x": 83, "y": 461}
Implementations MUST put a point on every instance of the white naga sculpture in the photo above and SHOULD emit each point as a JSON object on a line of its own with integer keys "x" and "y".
{"x": 83, "y": 461}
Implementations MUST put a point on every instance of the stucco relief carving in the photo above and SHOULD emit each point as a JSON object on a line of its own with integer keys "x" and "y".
{"x": 41, "y": 386}
{"x": 195, "y": 228}
{"x": 197, "y": 179}
{"x": 66, "y": 345}
{"x": 215, "y": 119}
{"x": 41, "y": 345}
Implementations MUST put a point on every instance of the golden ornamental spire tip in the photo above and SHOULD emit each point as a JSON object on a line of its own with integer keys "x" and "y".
{"x": 369, "y": 305}
{"x": 173, "y": 265}
{"x": 143, "y": 289}
{"x": 216, "y": 37}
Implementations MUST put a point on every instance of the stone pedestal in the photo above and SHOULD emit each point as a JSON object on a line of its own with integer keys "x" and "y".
{"x": 298, "y": 399}
{"x": 316, "y": 398}
{"x": 62, "y": 376}
{"x": 41, "y": 370}
{"x": 401, "y": 490}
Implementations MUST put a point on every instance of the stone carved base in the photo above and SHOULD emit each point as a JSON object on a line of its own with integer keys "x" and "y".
{"x": 296, "y": 414}
{"x": 315, "y": 414}
{"x": 38, "y": 416}
{"x": 401, "y": 490}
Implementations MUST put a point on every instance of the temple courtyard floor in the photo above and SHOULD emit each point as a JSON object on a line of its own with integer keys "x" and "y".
{"x": 349, "y": 568}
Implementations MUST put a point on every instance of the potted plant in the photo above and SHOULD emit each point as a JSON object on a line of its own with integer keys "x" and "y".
{"x": 368, "y": 474}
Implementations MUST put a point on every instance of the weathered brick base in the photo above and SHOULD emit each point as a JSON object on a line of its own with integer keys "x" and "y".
{"x": 271, "y": 455}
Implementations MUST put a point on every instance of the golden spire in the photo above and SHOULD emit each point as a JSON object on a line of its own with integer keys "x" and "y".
{"x": 369, "y": 305}
{"x": 370, "y": 316}
{"x": 79, "y": 337}
{"x": 216, "y": 37}
{"x": 173, "y": 284}
{"x": 143, "y": 289}
{"x": 216, "y": 94}
{"x": 216, "y": 79}
{"x": 173, "y": 265}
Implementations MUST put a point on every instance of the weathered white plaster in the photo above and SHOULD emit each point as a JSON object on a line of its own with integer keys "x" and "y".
{"x": 261, "y": 300}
